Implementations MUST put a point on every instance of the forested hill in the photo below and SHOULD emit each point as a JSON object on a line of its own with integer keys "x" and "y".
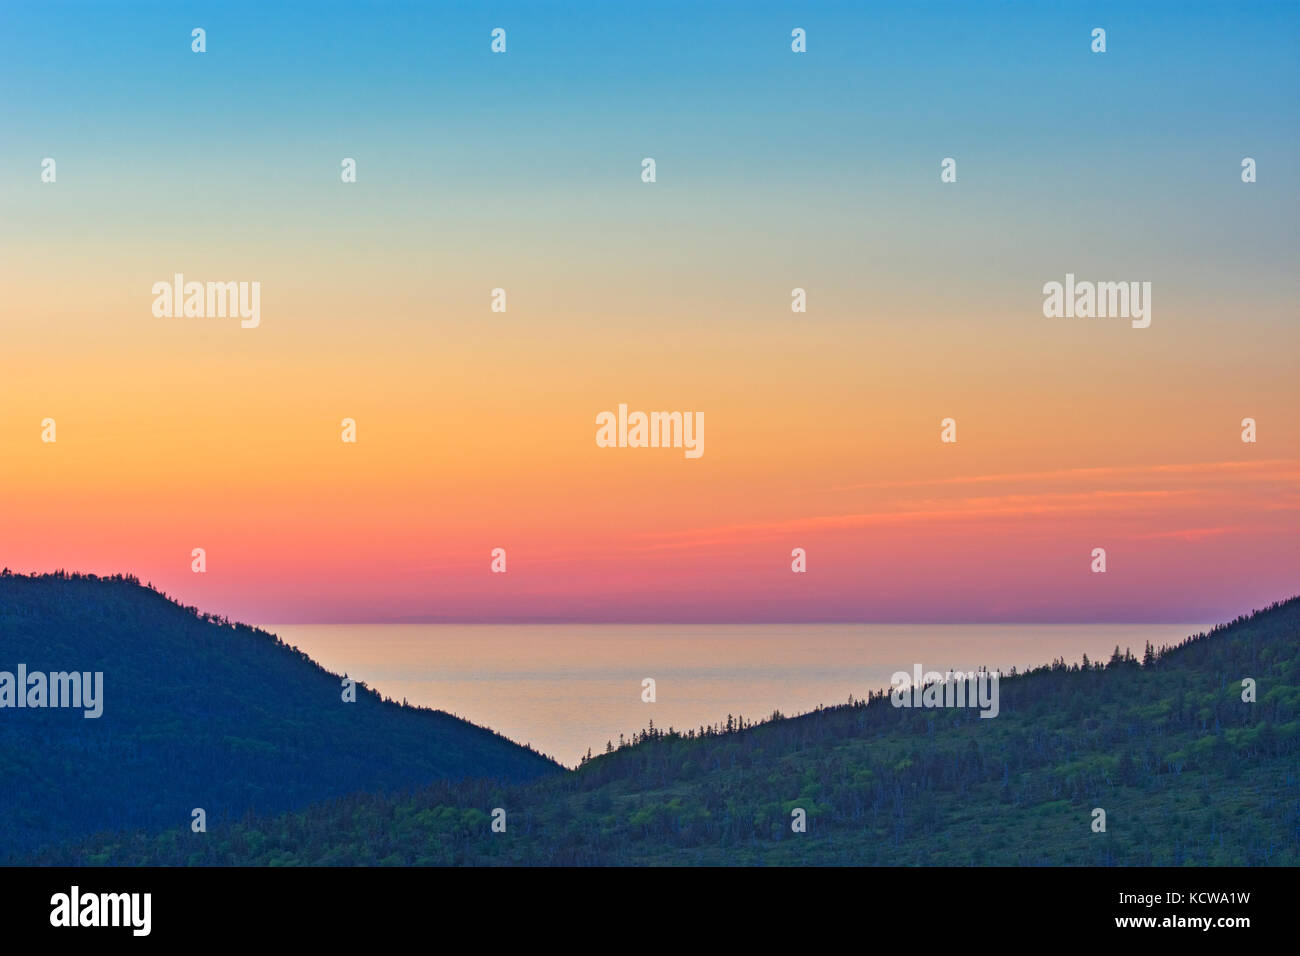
{"x": 1186, "y": 771}
{"x": 199, "y": 713}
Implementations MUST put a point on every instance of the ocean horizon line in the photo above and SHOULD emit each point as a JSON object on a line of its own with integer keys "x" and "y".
{"x": 828, "y": 622}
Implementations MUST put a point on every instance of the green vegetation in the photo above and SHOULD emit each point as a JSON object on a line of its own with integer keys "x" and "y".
{"x": 1186, "y": 771}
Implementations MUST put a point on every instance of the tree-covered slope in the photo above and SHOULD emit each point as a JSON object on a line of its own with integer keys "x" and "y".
{"x": 1187, "y": 772}
{"x": 199, "y": 713}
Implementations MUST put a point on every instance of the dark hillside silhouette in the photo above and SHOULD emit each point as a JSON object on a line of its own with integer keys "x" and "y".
{"x": 199, "y": 712}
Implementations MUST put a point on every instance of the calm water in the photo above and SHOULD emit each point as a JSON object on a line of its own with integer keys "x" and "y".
{"x": 564, "y": 688}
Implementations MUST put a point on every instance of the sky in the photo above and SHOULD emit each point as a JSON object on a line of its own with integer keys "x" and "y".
{"x": 775, "y": 170}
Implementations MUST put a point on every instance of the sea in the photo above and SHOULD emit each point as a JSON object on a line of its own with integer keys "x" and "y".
{"x": 565, "y": 689}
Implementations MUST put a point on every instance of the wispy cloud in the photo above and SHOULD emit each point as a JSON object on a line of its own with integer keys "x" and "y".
{"x": 1216, "y": 487}
{"x": 1281, "y": 468}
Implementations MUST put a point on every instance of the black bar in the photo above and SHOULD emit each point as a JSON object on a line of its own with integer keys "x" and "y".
{"x": 337, "y": 904}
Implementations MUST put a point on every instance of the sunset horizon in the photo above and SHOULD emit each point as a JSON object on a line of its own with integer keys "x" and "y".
{"x": 747, "y": 441}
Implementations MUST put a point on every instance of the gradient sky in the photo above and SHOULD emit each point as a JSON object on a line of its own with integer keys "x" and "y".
{"x": 775, "y": 170}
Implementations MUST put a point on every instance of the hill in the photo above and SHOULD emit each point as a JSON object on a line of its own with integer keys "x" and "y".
{"x": 199, "y": 712}
{"x": 1185, "y": 769}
